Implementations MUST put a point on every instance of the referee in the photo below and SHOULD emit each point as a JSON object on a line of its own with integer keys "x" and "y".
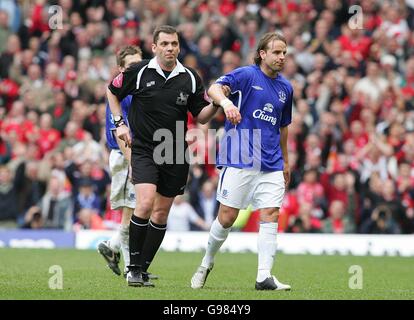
{"x": 162, "y": 90}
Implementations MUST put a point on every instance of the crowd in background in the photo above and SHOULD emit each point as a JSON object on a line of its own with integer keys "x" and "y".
{"x": 351, "y": 141}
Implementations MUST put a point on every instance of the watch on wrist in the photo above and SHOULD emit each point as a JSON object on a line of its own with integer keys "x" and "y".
{"x": 118, "y": 118}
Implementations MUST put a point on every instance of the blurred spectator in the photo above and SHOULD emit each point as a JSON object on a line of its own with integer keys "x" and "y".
{"x": 86, "y": 198}
{"x": 182, "y": 214}
{"x": 8, "y": 198}
{"x": 380, "y": 222}
{"x": 340, "y": 220}
{"x": 33, "y": 219}
{"x": 88, "y": 219}
{"x": 55, "y": 207}
{"x": 305, "y": 221}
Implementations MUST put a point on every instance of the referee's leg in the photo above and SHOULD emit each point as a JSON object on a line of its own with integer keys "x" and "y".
{"x": 145, "y": 195}
{"x": 156, "y": 229}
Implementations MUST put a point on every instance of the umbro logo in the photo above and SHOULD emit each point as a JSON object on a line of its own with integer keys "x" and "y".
{"x": 257, "y": 87}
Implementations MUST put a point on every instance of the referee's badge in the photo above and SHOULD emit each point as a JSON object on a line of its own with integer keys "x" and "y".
{"x": 117, "y": 82}
{"x": 182, "y": 99}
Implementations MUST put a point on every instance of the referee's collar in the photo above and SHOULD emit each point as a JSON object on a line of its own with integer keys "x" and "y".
{"x": 179, "y": 68}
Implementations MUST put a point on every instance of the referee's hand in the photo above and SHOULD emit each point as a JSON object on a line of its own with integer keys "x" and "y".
{"x": 233, "y": 114}
{"x": 123, "y": 133}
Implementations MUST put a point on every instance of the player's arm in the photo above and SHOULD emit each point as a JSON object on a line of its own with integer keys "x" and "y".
{"x": 121, "y": 86}
{"x": 283, "y": 146}
{"x": 125, "y": 150}
{"x": 122, "y": 131}
{"x": 208, "y": 112}
{"x": 217, "y": 94}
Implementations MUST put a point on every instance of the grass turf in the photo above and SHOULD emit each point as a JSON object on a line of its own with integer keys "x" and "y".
{"x": 24, "y": 274}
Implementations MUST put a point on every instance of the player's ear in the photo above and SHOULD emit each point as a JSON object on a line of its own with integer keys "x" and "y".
{"x": 153, "y": 46}
{"x": 262, "y": 54}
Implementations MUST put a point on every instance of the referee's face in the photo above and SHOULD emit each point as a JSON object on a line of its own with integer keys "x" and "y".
{"x": 166, "y": 50}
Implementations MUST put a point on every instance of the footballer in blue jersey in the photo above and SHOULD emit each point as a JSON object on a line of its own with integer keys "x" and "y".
{"x": 264, "y": 103}
{"x": 253, "y": 155}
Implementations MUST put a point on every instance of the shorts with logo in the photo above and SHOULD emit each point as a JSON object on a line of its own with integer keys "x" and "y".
{"x": 170, "y": 179}
{"x": 122, "y": 190}
{"x": 238, "y": 188}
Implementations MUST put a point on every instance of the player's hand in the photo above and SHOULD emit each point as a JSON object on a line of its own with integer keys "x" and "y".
{"x": 124, "y": 134}
{"x": 232, "y": 114}
{"x": 286, "y": 175}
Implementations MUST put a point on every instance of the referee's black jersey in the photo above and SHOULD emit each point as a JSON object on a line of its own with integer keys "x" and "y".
{"x": 158, "y": 102}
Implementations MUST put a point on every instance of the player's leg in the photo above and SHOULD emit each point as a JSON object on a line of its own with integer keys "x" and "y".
{"x": 268, "y": 196}
{"x": 124, "y": 235}
{"x": 119, "y": 198}
{"x": 232, "y": 193}
{"x": 219, "y": 231}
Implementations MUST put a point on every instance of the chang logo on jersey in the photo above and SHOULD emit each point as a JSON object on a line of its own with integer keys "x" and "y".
{"x": 282, "y": 96}
{"x": 261, "y": 114}
{"x": 182, "y": 99}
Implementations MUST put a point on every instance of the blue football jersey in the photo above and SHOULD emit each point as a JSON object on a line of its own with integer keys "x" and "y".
{"x": 110, "y": 125}
{"x": 265, "y": 105}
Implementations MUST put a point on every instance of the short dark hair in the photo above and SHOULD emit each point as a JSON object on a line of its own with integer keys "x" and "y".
{"x": 264, "y": 42}
{"x": 127, "y": 51}
{"x": 165, "y": 29}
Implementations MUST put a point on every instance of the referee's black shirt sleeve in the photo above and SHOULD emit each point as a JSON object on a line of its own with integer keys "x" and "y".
{"x": 197, "y": 101}
{"x": 125, "y": 83}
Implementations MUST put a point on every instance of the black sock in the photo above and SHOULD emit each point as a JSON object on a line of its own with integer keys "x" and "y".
{"x": 137, "y": 234}
{"x": 155, "y": 235}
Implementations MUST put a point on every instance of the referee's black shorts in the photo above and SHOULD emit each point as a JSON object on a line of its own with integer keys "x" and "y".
{"x": 170, "y": 179}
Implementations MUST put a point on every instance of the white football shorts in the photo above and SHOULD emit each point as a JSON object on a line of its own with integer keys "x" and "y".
{"x": 122, "y": 190}
{"x": 237, "y": 188}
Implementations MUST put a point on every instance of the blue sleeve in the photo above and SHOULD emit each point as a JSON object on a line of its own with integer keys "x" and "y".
{"x": 287, "y": 109}
{"x": 125, "y": 105}
{"x": 233, "y": 79}
{"x": 109, "y": 118}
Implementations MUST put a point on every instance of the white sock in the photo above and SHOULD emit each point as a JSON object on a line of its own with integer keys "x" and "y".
{"x": 115, "y": 242}
{"x": 266, "y": 249}
{"x": 216, "y": 238}
{"x": 124, "y": 235}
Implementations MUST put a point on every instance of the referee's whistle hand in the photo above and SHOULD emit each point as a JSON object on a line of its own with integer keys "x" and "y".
{"x": 233, "y": 115}
{"x": 123, "y": 133}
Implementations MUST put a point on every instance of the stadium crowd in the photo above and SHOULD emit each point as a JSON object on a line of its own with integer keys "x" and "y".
{"x": 351, "y": 141}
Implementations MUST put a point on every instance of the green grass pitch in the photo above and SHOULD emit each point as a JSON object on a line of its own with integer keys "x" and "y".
{"x": 24, "y": 274}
